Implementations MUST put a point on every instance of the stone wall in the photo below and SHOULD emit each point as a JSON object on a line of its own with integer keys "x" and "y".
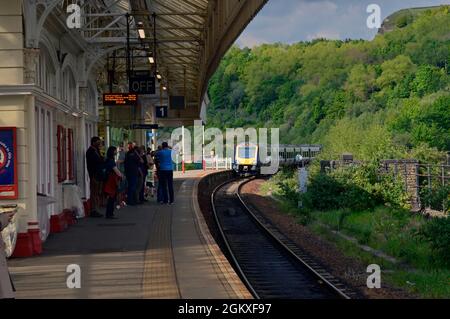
{"x": 407, "y": 170}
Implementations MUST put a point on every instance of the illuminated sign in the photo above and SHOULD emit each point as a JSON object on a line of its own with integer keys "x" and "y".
{"x": 8, "y": 163}
{"x": 113, "y": 99}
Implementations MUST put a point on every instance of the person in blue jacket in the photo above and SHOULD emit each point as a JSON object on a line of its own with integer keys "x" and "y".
{"x": 164, "y": 158}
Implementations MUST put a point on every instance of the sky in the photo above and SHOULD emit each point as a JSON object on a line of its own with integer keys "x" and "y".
{"x": 290, "y": 21}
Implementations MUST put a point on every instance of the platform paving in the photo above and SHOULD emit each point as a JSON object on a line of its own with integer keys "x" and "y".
{"x": 152, "y": 251}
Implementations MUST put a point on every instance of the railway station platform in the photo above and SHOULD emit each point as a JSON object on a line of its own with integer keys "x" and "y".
{"x": 152, "y": 251}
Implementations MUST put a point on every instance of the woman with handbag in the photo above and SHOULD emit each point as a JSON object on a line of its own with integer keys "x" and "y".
{"x": 112, "y": 183}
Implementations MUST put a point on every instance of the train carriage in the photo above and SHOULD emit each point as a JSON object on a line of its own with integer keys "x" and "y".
{"x": 247, "y": 158}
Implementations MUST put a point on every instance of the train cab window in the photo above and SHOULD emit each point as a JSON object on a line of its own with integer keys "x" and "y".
{"x": 247, "y": 152}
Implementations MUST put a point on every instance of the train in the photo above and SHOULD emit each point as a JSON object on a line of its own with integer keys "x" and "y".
{"x": 247, "y": 158}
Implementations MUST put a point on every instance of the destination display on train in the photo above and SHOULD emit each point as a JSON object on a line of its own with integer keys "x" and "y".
{"x": 114, "y": 99}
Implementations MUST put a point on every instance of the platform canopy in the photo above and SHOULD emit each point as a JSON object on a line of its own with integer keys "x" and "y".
{"x": 185, "y": 38}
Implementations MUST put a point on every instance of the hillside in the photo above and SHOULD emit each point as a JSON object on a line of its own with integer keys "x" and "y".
{"x": 389, "y": 97}
{"x": 402, "y": 18}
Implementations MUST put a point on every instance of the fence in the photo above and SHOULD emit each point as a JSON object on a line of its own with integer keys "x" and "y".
{"x": 210, "y": 163}
{"x": 427, "y": 184}
{"x": 216, "y": 163}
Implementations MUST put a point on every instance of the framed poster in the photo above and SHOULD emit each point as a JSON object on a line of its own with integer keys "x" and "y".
{"x": 9, "y": 187}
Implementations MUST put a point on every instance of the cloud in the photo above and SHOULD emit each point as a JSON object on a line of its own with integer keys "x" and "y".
{"x": 290, "y": 21}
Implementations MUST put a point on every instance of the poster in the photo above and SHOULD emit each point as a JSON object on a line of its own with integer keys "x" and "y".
{"x": 8, "y": 163}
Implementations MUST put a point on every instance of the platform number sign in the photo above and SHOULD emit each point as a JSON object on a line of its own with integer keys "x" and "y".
{"x": 161, "y": 112}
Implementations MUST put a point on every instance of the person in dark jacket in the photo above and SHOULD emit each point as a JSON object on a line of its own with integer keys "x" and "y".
{"x": 95, "y": 162}
{"x": 132, "y": 162}
{"x": 144, "y": 171}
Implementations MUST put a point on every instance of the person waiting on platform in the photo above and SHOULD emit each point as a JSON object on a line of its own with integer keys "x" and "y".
{"x": 132, "y": 162}
{"x": 6, "y": 284}
{"x": 150, "y": 182}
{"x": 112, "y": 182}
{"x": 144, "y": 171}
{"x": 120, "y": 161}
{"x": 159, "y": 195}
{"x": 95, "y": 166}
{"x": 166, "y": 173}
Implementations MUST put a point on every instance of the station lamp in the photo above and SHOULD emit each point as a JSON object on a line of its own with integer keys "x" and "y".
{"x": 141, "y": 31}
{"x": 158, "y": 76}
{"x": 151, "y": 59}
{"x": 164, "y": 88}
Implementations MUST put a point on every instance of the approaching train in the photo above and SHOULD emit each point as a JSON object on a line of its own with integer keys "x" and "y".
{"x": 247, "y": 158}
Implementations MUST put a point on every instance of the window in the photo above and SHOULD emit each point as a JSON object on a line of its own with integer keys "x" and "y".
{"x": 68, "y": 88}
{"x": 66, "y": 154}
{"x": 44, "y": 142}
{"x": 247, "y": 152}
{"x": 46, "y": 77}
{"x": 91, "y": 102}
{"x": 62, "y": 159}
{"x": 71, "y": 153}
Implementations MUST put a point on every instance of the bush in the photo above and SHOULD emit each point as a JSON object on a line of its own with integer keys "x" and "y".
{"x": 438, "y": 197}
{"x": 437, "y": 233}
{"x": 355, "y": 188}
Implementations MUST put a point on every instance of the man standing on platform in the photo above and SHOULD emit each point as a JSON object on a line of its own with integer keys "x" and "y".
{"x": 164, "y": 157}
{"x": 95, "y": 163}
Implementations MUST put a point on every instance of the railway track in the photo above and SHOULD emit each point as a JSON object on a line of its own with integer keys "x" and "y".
{"x": 271, "y": 266}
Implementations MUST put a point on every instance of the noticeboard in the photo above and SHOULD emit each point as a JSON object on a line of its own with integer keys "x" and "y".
{"x": 8, "y": 163}
{"x": 115, "y": 99}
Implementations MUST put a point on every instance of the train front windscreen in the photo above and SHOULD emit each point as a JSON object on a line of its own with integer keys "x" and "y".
{"x": 247, "y": 152}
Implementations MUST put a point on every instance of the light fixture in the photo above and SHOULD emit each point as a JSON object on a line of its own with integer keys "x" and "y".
{"x": 165, "y": 88}
{"x": 151, "y": 60}
{"x": 158, "y": 76}
{"x": 141, "y": 30}
{"x": 75, "y": 114}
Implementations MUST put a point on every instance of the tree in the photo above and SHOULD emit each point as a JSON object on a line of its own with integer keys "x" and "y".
{"x": 395, "y": 70}
{"x": 361, "y": 82}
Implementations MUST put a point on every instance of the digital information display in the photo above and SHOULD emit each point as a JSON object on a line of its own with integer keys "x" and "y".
{"x": 114, "y": 99}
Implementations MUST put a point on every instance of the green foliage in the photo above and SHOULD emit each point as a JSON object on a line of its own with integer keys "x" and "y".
{"x": 437, "y": 233}
{"x": 437, "y": 197}
{"x": 355, "y": 188}
{"x": 380, "y": 98}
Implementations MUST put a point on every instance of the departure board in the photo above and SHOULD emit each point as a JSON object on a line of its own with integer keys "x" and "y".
{"x": 114, "y": 99}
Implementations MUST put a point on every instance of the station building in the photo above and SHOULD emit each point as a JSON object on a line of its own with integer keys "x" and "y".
{"x": 52, "y": 79}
